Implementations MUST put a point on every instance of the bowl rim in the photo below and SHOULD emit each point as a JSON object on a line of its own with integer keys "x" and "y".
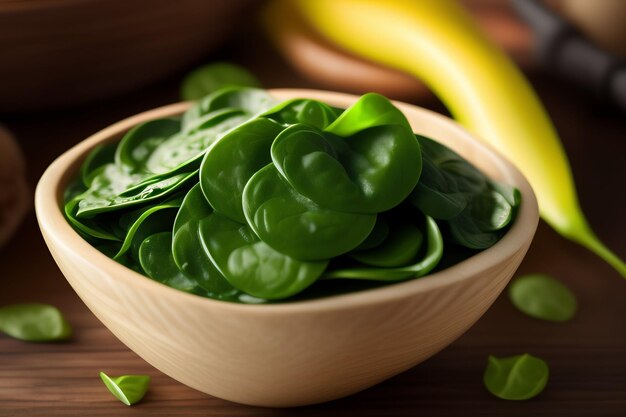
{"x": 54, "y": 226}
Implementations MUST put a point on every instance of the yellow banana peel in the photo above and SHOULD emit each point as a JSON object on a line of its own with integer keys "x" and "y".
{"x": 437, "y": 42}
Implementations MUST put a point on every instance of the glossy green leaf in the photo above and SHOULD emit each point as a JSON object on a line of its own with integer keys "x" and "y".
{"x": 185, "y": 150}
{"x": 543, "y": 297}
{"x": 146, "y": 221}
{"x": 516, "y": 378}
{"x": 250, "y": 101}
{"x": 212, "y": 77}
{"x": 377, "y": 236}
{"x": 296, "y": 226}
{"x": 370, "y": 110}
{"x": 371, "y": 171}
{"x": 252, "y": 266}
{"x": 155, "y": 257}
{"x": 311, "y": 113}
{"x": 100, "y": 156}
{"x": 424, "y": 263}
{"x": 446, "y": 183}
{"x": 187, "y": 250}
{"x": 140, "y": 142}
{"x": 129, "y": 389}
{"x": 34, "y": 322}
{"x": 113, "y": 190}
{"x": 400, "y": 248}
{"x": 229, "y": 164}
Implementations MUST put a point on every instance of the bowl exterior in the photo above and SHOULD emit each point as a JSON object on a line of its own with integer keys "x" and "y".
{"x": 288, "y": 354}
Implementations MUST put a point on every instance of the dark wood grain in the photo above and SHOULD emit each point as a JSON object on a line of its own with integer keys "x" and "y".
{"x": 587, "y": 356}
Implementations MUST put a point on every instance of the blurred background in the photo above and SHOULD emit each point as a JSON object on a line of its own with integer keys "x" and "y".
{"x": 69, "y": 68}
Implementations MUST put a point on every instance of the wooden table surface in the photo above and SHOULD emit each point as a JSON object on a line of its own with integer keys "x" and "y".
{"x": 587, "y": 356}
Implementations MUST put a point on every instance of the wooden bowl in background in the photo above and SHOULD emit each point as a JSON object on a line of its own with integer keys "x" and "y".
{"x": 56, "y": 53}
{"x": 287, "y": 354}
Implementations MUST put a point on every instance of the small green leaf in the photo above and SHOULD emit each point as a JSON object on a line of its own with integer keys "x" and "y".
{"x": 34, "y": 322}
{"x": 155, "y": 257}
{"x": 398, "y": 249}
{"x": 516, "y": 378}
{"x": 251, "y": 265}
{"x": 296, "y": 226}
{"x": 129, "y": 389}
{"x": 212, "y": 77}
{"x": 228, "y": 165}
{"x": 543, "y": 297}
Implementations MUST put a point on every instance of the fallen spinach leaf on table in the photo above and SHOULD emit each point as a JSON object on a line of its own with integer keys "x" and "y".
{"x": 517, "y": 377}
{"x": 34, "y": 322}
{"x": 543, "y": 297}
{"x": 129, "y": 389}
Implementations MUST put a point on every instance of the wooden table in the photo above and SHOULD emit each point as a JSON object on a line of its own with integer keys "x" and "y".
{"x": 587, "y": 356}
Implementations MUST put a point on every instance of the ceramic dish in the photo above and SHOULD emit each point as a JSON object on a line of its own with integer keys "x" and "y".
{"x": 297, "y": 353}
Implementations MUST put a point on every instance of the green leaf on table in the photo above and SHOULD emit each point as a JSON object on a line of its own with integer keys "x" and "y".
{"x": 516, "y": 378}
{"x": 129, "y": 389}
{"x": 543, "y": 297}
{"x": 34, "y": 322}
{"x": 212, "y": 77}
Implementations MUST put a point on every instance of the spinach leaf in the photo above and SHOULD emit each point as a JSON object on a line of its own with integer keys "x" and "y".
{"x": 129, "y": 389}
{"x": 212, "y": 77}
{"x": 372, "y": 171}
{"x": 34, "y": 322}
{"x": 187, "y": 250}
{"x": 516, "y": 378}
{"x": 296, "y": 226}
{"x": 311, "y": 113}
{"x": 155, "y": 257}
{"x": 424, "y": 263}
{"x": 229, "y": 164}
{"x": 398, "y": 249}
{"x": 250, "y": 264}
{"x": 543, "y": 297}
{"x": 100, "y": 156}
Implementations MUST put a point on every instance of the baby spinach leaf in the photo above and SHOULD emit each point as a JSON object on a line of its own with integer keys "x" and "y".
{"x": 97, "y": 227}
{"x": 100, "y": 156}
{"x": 212, "y": 77}
{"x": 129, "y": 389}
{"x": 371, "y": 171}
{"x": 296, "y": 226}
{"x": 138, "y": 144}
{"x": 251, "y": 265}
{"x": 229, "y": 164}
{"x": 398, "y": 249}
{"x": 250, "y": 101}
{"x": 447, "y": 182}
{"x": 426, "y": 261}
{"x": 311, "y": 113}
{"x": 116, "y": 190}
{"x": 377, "y": 236}
{"x": 187, "y": 250}
{"x": 146, "y": 221}
{"x": 370, "y": 110}
{"x": 34, "y": 322}
{"x": 543, "y": 297}
{"x": 155, "y": 257}
{"x": 516, "y": 378}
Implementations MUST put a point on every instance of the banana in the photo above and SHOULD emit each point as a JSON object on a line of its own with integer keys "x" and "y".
{"x": 437, "y": 42}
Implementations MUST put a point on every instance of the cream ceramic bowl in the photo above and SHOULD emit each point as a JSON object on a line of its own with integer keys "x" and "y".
{"x": 296, "y": 353}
